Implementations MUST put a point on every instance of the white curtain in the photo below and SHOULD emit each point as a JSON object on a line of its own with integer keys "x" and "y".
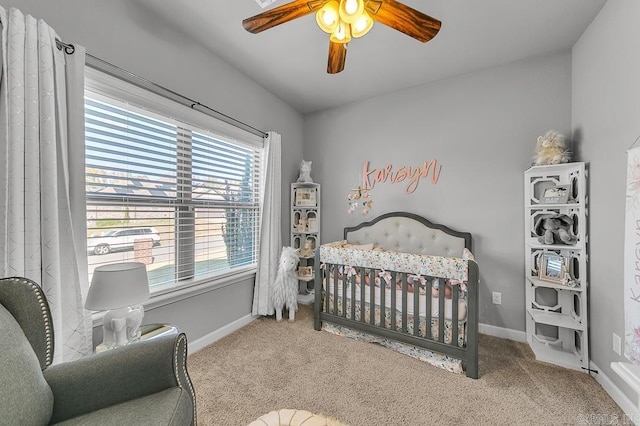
{"x": 270, "y": 228}
{"x": 42, "y": 162}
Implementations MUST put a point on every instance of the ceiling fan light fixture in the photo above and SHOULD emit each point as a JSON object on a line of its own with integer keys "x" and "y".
{"x": 344, "y": 19}
{"x": 342, "y": 34}
{"x": 328, "y": 17}
{"x": 351, "y": 10}
{"x": 362, "y": 26}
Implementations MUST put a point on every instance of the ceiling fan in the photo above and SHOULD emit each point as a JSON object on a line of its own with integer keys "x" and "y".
{"x": 347, "y": 19}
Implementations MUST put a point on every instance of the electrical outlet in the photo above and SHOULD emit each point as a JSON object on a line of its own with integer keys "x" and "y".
{"x": 617, "y": 344}
{"x": 496, "y": 298}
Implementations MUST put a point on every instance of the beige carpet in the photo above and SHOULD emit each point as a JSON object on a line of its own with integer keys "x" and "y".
{"x": 268, "y": 366}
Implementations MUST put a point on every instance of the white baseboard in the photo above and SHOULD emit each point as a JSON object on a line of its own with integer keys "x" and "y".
{"x": 503, "y": 333}
{"x": 200, "y": 343}
{"x": 629, "y": 408}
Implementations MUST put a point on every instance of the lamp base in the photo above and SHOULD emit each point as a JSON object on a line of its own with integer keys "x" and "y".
{"x": 120, "y": 327}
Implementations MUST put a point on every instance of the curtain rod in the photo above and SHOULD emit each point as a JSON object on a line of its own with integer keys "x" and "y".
{"x": 116, "y": 71}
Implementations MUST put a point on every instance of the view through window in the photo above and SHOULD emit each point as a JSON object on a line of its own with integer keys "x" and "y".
{"x": 180, "y": 199}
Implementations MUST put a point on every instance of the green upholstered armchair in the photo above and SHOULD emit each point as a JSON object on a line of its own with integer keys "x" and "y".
{"x": 144, "y": 383}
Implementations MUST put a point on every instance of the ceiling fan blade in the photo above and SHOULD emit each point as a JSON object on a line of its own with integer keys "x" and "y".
{"x": 404, "y": 19}
{"x": 337, "y": 57}
{"x": 280, "y": 15}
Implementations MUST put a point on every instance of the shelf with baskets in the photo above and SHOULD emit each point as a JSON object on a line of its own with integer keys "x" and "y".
{"x": 305, "y": 231}
{"x": 556, "y": 256}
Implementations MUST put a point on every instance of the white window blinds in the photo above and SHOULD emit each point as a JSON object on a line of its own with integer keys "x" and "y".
{"x": 181, "y": 199}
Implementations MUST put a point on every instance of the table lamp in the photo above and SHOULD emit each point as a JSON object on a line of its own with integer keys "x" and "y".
{"x": 118, "y": 288}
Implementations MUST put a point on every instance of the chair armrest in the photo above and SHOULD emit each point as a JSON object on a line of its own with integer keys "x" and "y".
{"x": 122, "y": 374}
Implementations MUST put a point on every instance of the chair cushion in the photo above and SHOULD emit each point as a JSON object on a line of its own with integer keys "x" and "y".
{"x": 25, "y": 397}
{"x": 168, "y": 407}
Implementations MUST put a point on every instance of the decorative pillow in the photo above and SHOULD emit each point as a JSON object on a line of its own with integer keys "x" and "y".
{"x": 360, "y": 246}
{"x": 338, "y": 244}
{"x": 25, "y": 397}
{"x": 467, "y": 255}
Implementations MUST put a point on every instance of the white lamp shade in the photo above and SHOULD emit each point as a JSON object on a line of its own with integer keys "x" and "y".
{"x": 362, "y": 25}
{"x": 328, "y": 17}
{"x": 350, "y": 10}
{"x": 118, "y": 285}
{"x": 342, "y": 34}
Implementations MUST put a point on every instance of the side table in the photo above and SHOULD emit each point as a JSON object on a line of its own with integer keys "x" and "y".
{"x": 147, "y": 332}
{"x": 151, "y": 331}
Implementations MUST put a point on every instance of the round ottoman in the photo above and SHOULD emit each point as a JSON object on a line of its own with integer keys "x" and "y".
{"x": 289, "y": 417}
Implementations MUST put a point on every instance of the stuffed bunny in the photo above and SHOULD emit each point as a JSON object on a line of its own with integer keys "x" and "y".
{"x": 305, "y": 172}
{"x": 551, "y": 149}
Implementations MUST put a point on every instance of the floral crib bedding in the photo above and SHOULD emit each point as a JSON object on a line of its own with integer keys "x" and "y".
{"x": 351, "y": 266}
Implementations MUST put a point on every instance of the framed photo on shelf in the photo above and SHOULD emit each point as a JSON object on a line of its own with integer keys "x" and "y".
{"x": 553, "y": 268}
{"x": 305, "y": 197}
{"x": 558, "y": 194}
{"x": 305, "y": 271}
{"x": 312, "y": 224}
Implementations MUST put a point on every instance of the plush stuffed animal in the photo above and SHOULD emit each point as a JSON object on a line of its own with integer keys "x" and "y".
{"x": 302, "y": 224}
{"x": 305, "y": 172}
{"x": 554, "y": 229}
{"x": 307, "y": 249}
{"x": 284, "y": 291}
{"x": 551, "y": 149}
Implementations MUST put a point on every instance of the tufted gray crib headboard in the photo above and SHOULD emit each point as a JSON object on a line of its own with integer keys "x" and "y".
{"x": 409, "y": 233}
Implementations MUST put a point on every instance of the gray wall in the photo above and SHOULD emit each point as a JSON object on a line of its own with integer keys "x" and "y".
{"x": 481, "y": 127}
{"x": 606, "y": 121}
{"x": 133, "y": 38}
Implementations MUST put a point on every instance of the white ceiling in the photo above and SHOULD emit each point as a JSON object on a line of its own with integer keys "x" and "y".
{"x": 290, "y": 60}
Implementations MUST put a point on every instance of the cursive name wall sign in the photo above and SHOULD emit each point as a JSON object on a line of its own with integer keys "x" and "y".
{"x": 410, "y": 175}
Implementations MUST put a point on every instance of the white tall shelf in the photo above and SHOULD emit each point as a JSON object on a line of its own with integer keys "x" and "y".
{"x": 557, "y": 326}
{"x": 305, "y": 226}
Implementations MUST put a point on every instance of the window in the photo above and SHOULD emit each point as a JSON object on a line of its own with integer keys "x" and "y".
{"x": 182, "y": 198}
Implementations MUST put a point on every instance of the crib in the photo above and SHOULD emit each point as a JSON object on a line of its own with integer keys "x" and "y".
{"x": 402, "y": 277}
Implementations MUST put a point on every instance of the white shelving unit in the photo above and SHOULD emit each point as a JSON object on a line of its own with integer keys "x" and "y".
{"x": 556, "y": 313}
{"x": 305, "y": 228}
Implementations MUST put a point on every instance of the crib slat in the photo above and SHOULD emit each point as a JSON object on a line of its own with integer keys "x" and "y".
{"x": 344, "y": 291}
{"x": 416, "y": 308}
{"x": 372, "y": 297}
{"x": 429, "y": 300}
{"x": 404, "y": 302}
{"x": 441, "y": 297}
{"x": 394, "y": 291}
{"x": 383, "y": 291}
{"x": 362, "y": 299}
{"x": 327, "y": 285}
{"x": 353, "y": 298}
{"x": 454, "y": 314}
{"x": 335, "y": 289}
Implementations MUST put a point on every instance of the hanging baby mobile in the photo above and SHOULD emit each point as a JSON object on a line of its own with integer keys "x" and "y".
{"x": 359, "y": 199}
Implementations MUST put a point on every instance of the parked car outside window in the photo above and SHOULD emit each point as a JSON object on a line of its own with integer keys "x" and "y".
{"x": 121, "y": 239}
